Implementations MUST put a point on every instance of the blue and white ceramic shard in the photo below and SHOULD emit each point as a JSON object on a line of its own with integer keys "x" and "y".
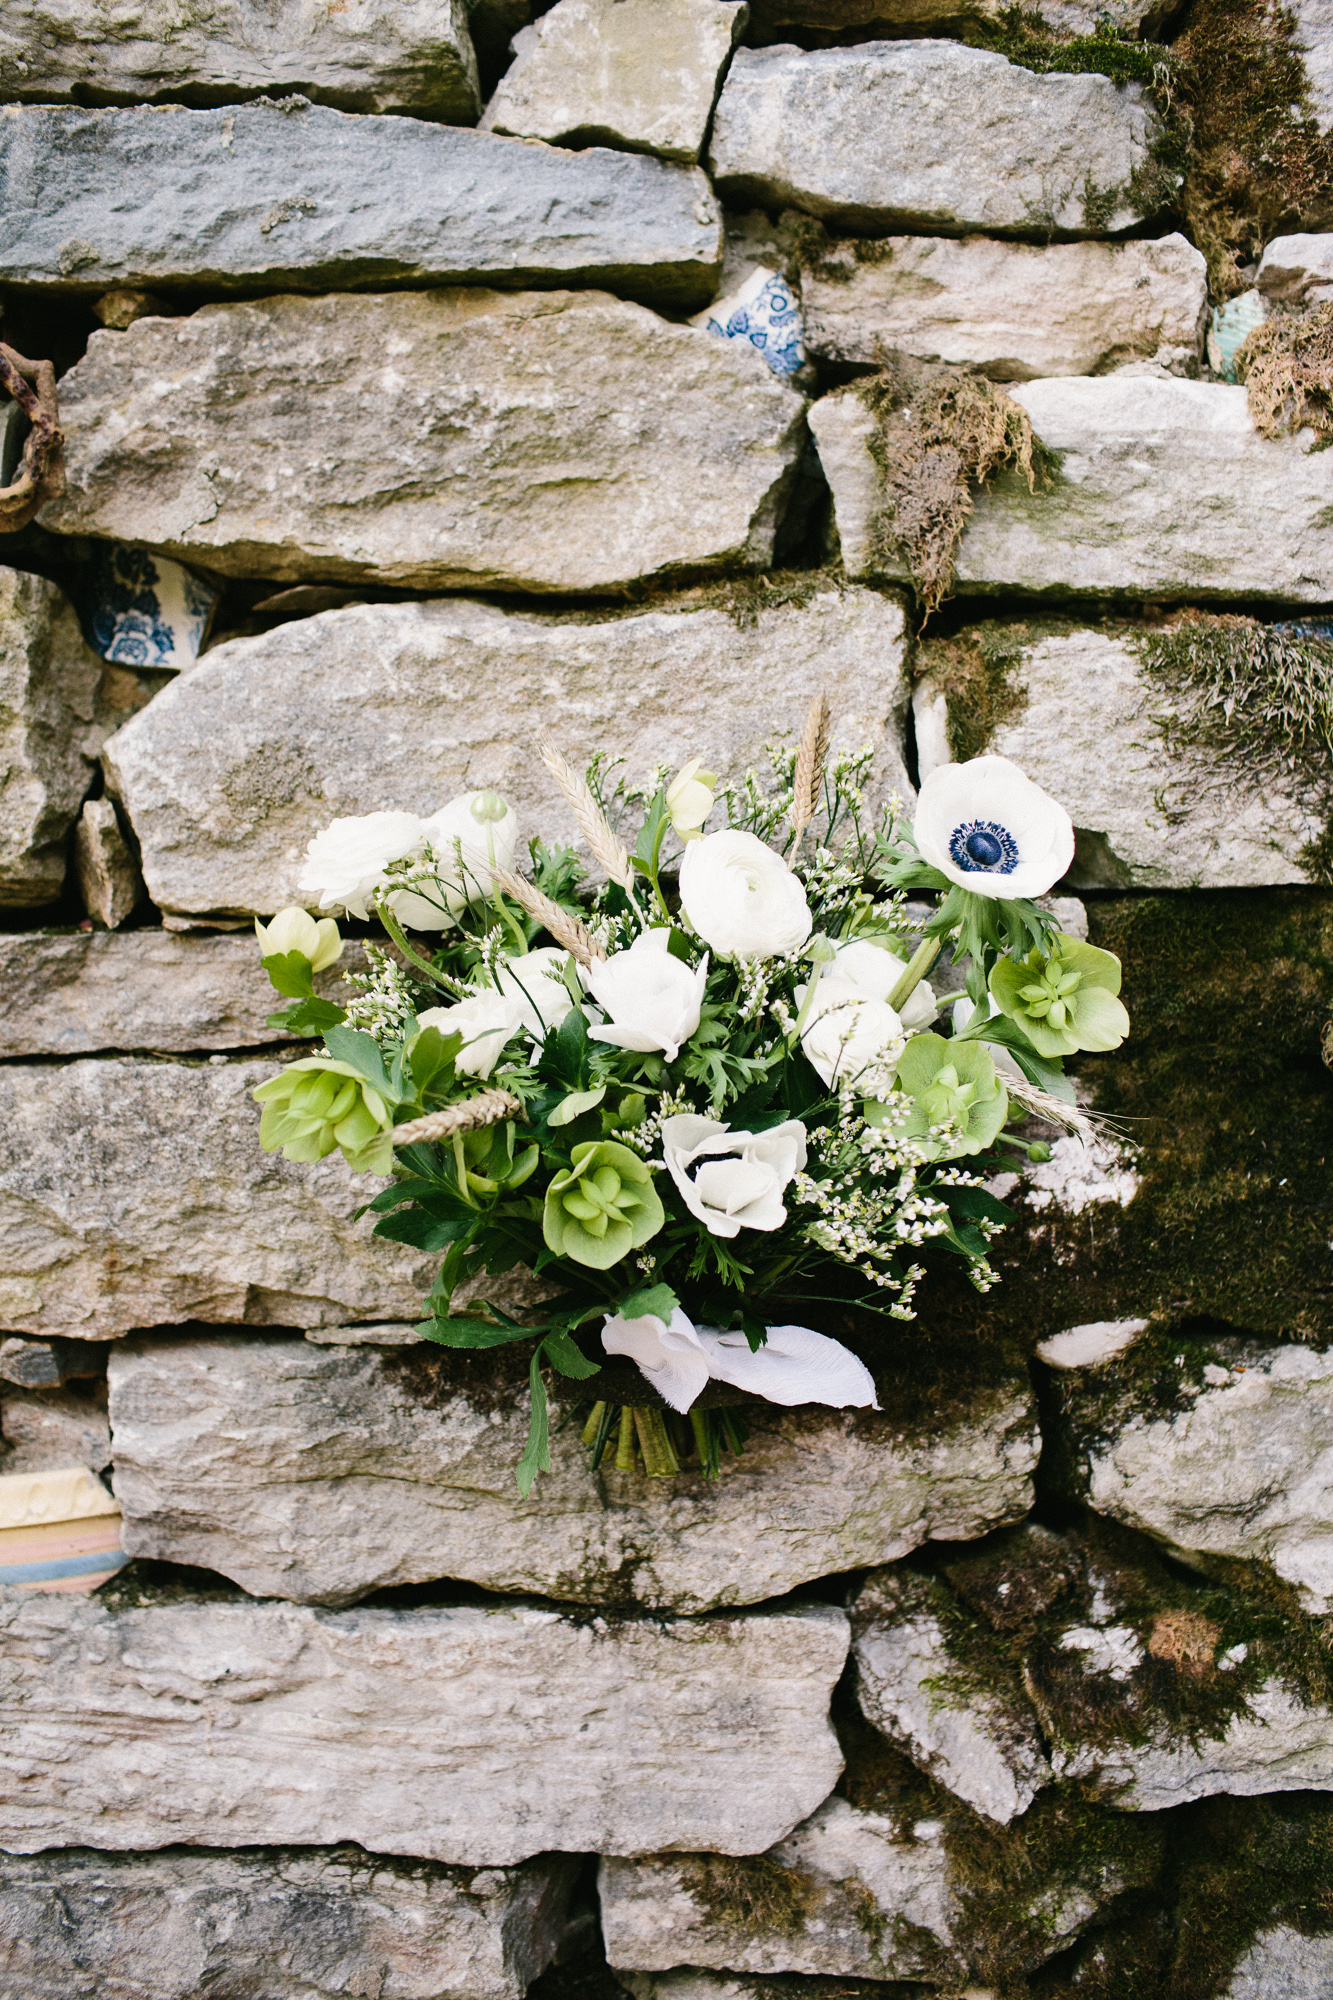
{"x": 142, "y": 610}
{"x": 762, "y": 313}
{"x": 1231, "y": 326}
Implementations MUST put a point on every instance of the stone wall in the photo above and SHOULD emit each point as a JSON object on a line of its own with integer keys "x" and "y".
{"x": 410, "y": 331}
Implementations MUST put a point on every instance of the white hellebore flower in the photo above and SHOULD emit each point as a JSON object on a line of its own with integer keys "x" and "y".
{"x": 851, "y": 1039}
{"x": 652, "y": 999}
{"x": 486, "y": 1022}
{"x": 741, "y": 897}
{"x": 473, "y": 835}
{"x": 296, "y": 930}
{"x": 732, "y": 1180}
{"x": 990, "y": 829}
{"x": 345, "y": 863}
{"x": 536, "y": 980}
{"x": 689, "y": 799}
{"x": 873, "y": 974}
{"x": 796, "y": 1365}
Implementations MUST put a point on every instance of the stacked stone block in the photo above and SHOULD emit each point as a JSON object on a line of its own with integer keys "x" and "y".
{"x": 1015, "y": 1685}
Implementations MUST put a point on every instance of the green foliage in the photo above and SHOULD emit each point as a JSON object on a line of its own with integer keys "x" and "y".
{"x": 602, "y": 1206}
{"x": 1064, "y": 999}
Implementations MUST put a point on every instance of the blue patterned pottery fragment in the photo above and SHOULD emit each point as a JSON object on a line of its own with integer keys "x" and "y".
{"x": 1308, "y": 628}
{"x": 764, "y": 314}
{"x": 142, "y": 610}
{"x": 1231, "y": 325}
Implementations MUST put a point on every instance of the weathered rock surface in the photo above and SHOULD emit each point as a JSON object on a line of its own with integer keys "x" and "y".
{"x": 538, "y": 441}
{"x": 1283, "y": 1964}
{"x": 321, "y": 1473}
{"x": 257, "y": 199}
{"x": 237, "y": 765}
{"x": 1066, "y": 1683}
{"x": 983, "y": 1748}
{"x": 376, "y": 55}
{"x": 293, "y": 1924}
{"x": 1092, "y": 722}
{"x": 638, "y": 74}
{"x": 1014, "y": 310}
{"x": 134, "y": 1193}
{"x": 74, "y": 993}
{"x": 46, "y": 1430}
{"x": 1297, "y": 270}
{"x": 772, "y": 20}
{"x": 1164, "y": 489}
{"x": 109, "y": 882}
{"x": 49, "y": 681}
{"x": 1314, "y": 35}
{"x": 472, "y": 1735}
{"x": 929, "y": 135}
{"x": 1242, "y": 1467}
{"x": 866, "y": 1900}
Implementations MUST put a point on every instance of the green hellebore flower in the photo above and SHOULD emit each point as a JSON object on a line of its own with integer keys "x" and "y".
{"x": 1064, "y": 1002}
{"x": 603, "y": 1207}
{"x": 952, "y": 1080}
{"x": 316, "y": 1104}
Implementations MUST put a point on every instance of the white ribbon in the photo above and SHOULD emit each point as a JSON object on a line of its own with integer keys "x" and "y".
{"x": 796, "y": 1364}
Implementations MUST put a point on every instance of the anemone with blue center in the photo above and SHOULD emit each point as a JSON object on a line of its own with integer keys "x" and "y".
{"x": 987, "y": 827}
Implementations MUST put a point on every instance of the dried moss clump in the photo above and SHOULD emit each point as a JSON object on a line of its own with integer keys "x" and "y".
{"x": 1259, "y": 164}
{"x": 1287, "y": 366}
{"x": 974, "y": 671}
{"x": 939, "y": 431}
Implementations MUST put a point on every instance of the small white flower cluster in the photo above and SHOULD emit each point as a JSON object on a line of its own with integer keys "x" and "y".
{"x": 385, "y": 1003}
{"x": 646, "y": 1138}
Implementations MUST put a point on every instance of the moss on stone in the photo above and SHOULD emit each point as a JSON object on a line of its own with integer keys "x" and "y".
{"x": 748, "y": 1892}
{"x": 976, "y": 671}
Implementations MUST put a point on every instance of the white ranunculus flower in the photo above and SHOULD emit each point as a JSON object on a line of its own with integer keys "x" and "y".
{"x": 990, "y": 829}
{"x": 689, "y": 799}
{"x": 874, "y": 973}
{"x": 849, "y": 1038}
{"x": 486, "y": 1022}
{"x": 795, "y": 1365}
{"x": 741, "y": 897}
{"x": 670, "y": 1354}
{"x": 345, "y": 863}
{"x": 732, "y": 1180}
{"x": 652, "y": 999}
{"x": 473, "y": 835}
{"x": 536, "y": 980}
{"x": 296, "y": 930}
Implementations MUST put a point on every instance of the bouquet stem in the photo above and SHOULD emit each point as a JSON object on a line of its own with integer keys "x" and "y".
{"x": 625, "y": 1445}
{"x": 659, "y": 1455}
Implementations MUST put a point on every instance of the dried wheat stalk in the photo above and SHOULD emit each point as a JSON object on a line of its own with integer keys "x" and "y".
{"x": 564, "y": 928}
{"x": 810, "y": 764}
{"x": 1054, "y": 1110}
{"x": 488, "y": 1108}
{"x": 592, "y": 821}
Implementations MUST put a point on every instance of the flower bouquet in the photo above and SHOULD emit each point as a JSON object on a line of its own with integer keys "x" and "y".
{"x": 705, "y": 1093}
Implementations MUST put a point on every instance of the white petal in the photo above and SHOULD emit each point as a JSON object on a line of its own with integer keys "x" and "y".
{"x": 796, "y": 1365}
{"x": 670, "y": 1357}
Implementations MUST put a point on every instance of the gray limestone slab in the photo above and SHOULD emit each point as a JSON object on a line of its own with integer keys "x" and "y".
{"x": 933, "y": 135}
{"x": 477, "y": 1735}
{"x": 290, "y": 195}
{"x": 320, "y": 1473}
{"x": 133, "y": 1193}
{"x": 49, "y": 685}
{"x": 532, "y": 441}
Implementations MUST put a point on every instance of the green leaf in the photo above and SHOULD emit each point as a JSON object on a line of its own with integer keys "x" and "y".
{"x": 974, "y": 1203}
{"x": 291, "y": 974}
{"x": 307, "y": 1017}
{"x": 427, "y": 1232}
{"x": 537, "y": 1457}
{"x": 564, "y": 1354}
{"x": 575, "y": 1104}
{"x": 659, "y": 1300}
{"x": 462, "y": 1330}
{"x": 429, "y": 1053}
{"x": 361, "y": 1053}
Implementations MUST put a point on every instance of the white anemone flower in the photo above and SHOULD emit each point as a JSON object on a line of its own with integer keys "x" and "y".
{"x": 991, "y": 830}
{"x": 652, "y": 999}
{"x": 729, "y": 1180}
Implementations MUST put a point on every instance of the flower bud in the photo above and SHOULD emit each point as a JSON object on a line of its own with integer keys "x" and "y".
{"x": 689, "y": 799}
{"x": 296, "y": 930}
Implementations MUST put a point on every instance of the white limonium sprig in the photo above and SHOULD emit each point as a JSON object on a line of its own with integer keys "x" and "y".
{"x": 708, "y": 1087}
